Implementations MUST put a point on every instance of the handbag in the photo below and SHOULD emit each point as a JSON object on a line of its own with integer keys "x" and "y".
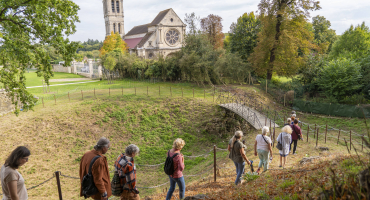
{"x": 117, "y": 187}
{"x": 279, "y": 144}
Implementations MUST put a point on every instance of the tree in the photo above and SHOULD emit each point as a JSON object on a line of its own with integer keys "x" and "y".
{"x": 340, "y": 78}
{"x": 324, "y": 37}
{"x": 192, "y": 22}
{"x": 26, "y": 27}
{"x": 284, "y": 38}
{"x": 354, "y": 43}
{"x": 243, "y": 35}
{"x": 212, "y": 27}
{"x": 112, "y": 42}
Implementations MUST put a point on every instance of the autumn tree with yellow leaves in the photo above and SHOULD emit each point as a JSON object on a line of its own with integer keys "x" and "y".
{"x": 285, "y": 39}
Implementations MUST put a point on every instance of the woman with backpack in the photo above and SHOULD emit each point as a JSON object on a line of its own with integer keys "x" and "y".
{"x": 237, "y": 155}
{"x": 296, "y": 135}
{"x": 284, "y": 140}
{"x": 176, "y": 159}
{"x": 262, "y": 146}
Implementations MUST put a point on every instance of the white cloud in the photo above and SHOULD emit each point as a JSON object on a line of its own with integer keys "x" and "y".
{"x": 341, "y": 13}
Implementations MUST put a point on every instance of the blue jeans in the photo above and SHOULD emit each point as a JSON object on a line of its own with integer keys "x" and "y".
{"x": 181, "y": 183}
{"x": 264, "y": 159}
{"x": 239, "y": 171}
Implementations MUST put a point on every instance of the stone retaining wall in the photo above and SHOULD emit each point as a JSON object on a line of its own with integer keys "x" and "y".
{"x": 6, "y": 105}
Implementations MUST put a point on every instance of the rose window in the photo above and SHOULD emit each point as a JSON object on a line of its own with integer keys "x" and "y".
{"x": 172, "y": 37}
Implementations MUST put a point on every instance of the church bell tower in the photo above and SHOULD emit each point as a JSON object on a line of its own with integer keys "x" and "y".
{"x": 113, "y": 16}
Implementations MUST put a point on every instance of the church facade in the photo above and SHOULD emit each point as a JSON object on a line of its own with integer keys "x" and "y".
{"x": 161, "y": 37}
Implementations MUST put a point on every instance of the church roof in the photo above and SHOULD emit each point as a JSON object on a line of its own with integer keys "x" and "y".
{"x": 159, "y": 17}
{"x": 138, "y": 30}
{"x": 132, "y": 43}
{"x": 144, "y": 28}
{"x": 145, "y": 38}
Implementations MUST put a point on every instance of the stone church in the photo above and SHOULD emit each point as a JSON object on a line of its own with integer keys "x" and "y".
{"x": 161, "y": 37}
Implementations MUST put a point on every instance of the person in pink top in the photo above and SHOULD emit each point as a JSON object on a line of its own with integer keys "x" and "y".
{"x": 179, "y": 165}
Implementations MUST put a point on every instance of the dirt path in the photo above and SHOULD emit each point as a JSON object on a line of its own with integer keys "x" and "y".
{"x": 62, "y": 84}
{"x": 69, "y": 79}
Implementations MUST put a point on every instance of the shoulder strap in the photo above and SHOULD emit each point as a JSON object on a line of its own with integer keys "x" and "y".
{"x": 92, "y": 162}
{"x": 264, "y": 139}
{"x": 168, "y": 154}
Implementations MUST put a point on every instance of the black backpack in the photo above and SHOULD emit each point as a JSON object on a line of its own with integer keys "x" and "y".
{"x": 87, "y": 184}
{"x": 169, "y": 168}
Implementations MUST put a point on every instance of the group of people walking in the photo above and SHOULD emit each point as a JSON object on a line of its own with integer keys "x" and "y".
{"x": 95, "y": 176}
{"x": 290, "y": 134}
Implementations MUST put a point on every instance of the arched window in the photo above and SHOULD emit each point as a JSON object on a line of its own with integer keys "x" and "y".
{"x": 119, "y": 28}
{"x": 112, "y": 5}
{"x": 114, "y": 28}
{"x": 117, "y": 6}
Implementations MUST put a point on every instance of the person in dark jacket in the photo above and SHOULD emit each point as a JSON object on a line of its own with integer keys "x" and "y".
{"x": 296, "y": 135}
{"x": 237, "y": 155}
{"x": 100, "y": 170}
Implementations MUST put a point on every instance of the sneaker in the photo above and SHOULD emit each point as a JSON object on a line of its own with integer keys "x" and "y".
{"x": 280, "y": 166}
{"x": 294, "y": 153}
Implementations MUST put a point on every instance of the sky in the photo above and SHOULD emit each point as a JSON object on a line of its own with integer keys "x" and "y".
{"x": 341, "y": 13}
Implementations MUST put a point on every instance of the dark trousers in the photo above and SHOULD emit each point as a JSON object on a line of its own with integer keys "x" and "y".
{"x": 295, "y": 145}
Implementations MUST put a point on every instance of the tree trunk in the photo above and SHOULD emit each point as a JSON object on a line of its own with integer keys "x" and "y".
{"x": 279, "y": 18}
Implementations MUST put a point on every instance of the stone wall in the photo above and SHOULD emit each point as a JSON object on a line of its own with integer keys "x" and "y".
{"x": 61, "y": 68}
{"x": 6, "y": 105}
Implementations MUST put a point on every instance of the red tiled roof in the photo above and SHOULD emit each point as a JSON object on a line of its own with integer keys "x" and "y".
{"x": 133, "y": 42}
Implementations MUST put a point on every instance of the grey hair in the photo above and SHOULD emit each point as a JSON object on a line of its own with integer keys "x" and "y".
{"x": 294, "y": 115}
{"x": 289, "y": 120}
{"x": 131, "y": 149}
{"x": 238, "y": 134}
{"x": 293, "y": 112}
{"x": 103, "y": 142}
{"x": 265, "y": 130}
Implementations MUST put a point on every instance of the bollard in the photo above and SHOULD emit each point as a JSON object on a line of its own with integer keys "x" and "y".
{"x": 43, "y": 105}
{"x": 58, "y": 184}
{"x": 55, "y": 99}
{"x": 214, "y": 162}
{"x": 69, "y": 97}
{"x": 338, "y": 137}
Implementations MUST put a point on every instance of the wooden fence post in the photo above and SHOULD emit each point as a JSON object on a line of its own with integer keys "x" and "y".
{"x": 159, "y": 90}
{"x": 214, "y": 162}
{"x": 122, "y": 90}
{"x": 43, "y": 105}
{"x": 308, "y": 131}
{"x": 326, "y": 132}
{"x": 82, "y": 94}
{"x": 171, "y": 90}
{"x": 109, "y": 91}
{"x": 284, "y": 100}
{"x": 58, "y": 184}
{"x": 204, "y": 94}
{"x": 147, "y": 90}
{"x": 214, "y": 93}
{"x": 193, "y": 92}
{"x": 314, "y": 132}
{"x": 69, "y": 97}
{"x": 94, "y": 93}
{"x": 55, "y": 99}
{"x": 317, "y": 136}
{"x": 338, "y": 137}
{"x": 266, "y": 85}
{"x": 362, "y": 141}
{"x": 182, "y": 92}
{"x": 350, "y": 140}
{"x": 135, "y": 91}
{"x": 49, "y": 87}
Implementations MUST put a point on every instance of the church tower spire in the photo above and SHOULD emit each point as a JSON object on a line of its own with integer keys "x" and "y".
{"x": 113, "y": 16}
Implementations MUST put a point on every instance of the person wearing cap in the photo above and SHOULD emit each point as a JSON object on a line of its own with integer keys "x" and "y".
{"x": 262, "y": 146}
{"x": 237, "y": 155}
{"x": 100, "y": 170}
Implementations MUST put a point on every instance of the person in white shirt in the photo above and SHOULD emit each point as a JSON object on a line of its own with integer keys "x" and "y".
{"x": 262, "y": 147}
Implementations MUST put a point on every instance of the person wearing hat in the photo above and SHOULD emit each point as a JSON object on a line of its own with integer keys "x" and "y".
{"x": 237, "y": 155}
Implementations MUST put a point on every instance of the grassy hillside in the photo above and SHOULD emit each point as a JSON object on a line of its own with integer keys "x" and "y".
{"x": 58, "y": 135}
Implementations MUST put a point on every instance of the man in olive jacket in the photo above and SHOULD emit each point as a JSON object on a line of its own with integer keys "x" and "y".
{"x": 99, "y": 169}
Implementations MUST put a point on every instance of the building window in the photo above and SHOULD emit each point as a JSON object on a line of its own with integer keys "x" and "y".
{"x": 112, "y": 5}
{"x": 151, "y": 55}
{"x": 114, "y": 28}
{"x": 171, "y": 19}
{"x": 117, "y": 5}
{"x": 172, "y": 36}
{"x": 150, "y": 43}
{"x": 119, "y": 28}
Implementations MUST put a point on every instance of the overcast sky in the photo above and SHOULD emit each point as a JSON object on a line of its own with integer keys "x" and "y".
{"x": 341, "y": 13}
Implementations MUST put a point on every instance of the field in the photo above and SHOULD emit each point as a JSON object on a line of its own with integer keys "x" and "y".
{"x": 150, "y": 115}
